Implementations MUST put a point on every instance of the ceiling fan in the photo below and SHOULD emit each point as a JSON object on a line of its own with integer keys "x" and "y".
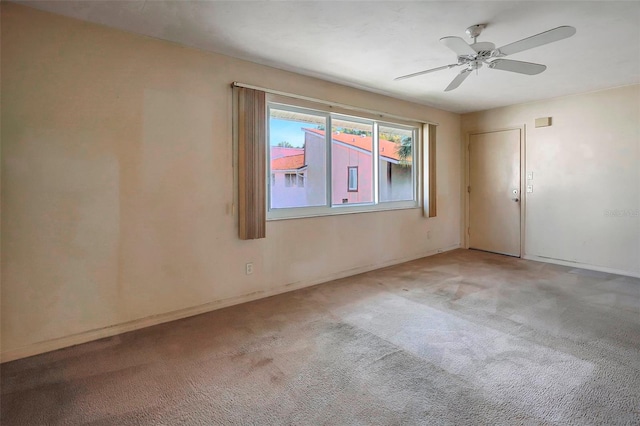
{"x": 473, "y": 56}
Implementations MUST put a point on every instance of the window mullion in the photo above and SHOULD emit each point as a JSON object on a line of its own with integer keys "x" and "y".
{"x": 375, "y": 151}
{"x": 270, "y": 184}
{"x": 417, "y": 165}
{"x": 328, "y": 137}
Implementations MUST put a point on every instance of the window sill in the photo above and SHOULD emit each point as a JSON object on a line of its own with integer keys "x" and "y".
{"x": 302, "y": 213}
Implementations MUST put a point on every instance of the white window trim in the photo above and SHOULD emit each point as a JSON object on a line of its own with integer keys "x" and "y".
{"x": 295, "y": 105}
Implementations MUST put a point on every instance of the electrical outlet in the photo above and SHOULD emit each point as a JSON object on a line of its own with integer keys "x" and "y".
{"x": 248, "y": 268}
{"x": 529, "y": 188}
{"x": 529, "y": 175}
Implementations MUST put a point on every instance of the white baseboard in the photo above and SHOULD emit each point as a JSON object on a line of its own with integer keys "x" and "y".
{"x": 90, "y": 335}
{"x": 582, "y": 265}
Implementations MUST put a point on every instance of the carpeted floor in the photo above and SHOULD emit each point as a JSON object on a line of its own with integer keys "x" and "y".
{"x": 464, "y": 337}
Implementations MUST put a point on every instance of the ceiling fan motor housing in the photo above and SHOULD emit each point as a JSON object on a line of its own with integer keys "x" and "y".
{"x": 484, "y": 50}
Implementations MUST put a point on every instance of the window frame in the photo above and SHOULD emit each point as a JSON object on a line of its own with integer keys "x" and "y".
{"x": 417, "y": 176}
{"x": 328, "y": 112}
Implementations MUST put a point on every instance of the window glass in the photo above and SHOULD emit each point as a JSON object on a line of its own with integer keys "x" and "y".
{"x": 396, "y": 153}
{"x": 297, "y": 157}
{"x": 351, "y": 161}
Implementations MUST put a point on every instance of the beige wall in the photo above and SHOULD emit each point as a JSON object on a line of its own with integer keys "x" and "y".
{"x": 586, "y": 176}
{"x": 118, "y": 185}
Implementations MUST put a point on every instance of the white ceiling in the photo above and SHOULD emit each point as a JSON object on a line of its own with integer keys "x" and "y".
{"x": 368, "y": 44}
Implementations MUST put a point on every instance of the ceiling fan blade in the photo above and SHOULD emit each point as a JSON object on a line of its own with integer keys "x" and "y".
{"x": 458, "y": 80}
{"x": 538, "y": 40}
{"x": 415, "y": 74}
{"x": 459, "y": 46}
{"x": 528, "y": 68}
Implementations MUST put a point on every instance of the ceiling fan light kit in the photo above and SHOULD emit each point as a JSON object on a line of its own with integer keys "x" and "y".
{"x": 474, "y": 56}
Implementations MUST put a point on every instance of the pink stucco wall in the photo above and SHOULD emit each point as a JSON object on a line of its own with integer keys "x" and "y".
{"x": 342, "y": 158}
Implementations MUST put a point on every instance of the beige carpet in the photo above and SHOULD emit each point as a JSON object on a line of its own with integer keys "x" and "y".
{"x": 460, "y": 338}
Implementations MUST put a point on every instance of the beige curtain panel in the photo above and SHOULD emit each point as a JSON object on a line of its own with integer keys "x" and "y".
{"x": 251, "y": 163}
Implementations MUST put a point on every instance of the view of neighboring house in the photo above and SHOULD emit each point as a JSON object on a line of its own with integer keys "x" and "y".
{"x": 288, "y": 171}
{"x": 298, "y": 174}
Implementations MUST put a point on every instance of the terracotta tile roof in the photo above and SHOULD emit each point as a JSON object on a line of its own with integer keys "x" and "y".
{"x": 388, "y": 149}
{"x": 281, "y": 151}
{"x": 290, "y": 162}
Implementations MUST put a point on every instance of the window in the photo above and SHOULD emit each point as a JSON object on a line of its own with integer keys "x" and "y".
{"x": 289, "y": 180}
{"x": 351, "y": 149}
{"x": 297, "y": 158}
{"x": 396, "y": 164}
{"x": 352, "y": 173}
{"x": 310, "y": 149}
{"x": 293, "y": 179}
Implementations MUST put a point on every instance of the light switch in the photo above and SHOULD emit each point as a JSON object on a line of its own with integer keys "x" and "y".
{"x": 529, "y": 175}
{"x": 529, "y": 188}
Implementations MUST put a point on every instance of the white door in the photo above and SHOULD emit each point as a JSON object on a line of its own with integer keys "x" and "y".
{"x": 494, "y": 192}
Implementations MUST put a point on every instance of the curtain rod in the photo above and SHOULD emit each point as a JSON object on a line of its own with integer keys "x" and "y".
{"x": 331, "y": 104}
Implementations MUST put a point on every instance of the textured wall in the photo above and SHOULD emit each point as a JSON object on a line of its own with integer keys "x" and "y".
{"x": 118, "y": 185}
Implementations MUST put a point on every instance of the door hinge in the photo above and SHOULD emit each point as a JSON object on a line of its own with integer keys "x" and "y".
{"x": 469, "y": 231}
{"x": 469, "y": 189}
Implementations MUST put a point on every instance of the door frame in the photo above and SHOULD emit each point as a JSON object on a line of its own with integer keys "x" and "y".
{"x": 523, "y": 181}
